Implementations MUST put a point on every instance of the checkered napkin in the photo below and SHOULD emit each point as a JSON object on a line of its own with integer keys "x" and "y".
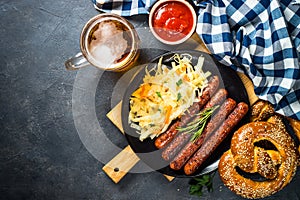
{"x": 258, "y": 38}
{"x": 124, "y": 7}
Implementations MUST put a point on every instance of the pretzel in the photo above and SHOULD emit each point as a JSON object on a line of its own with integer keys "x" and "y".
{"x": 263, "y": 110}
{"x": 277, "y": 165}
{"x": 296, "y": 127}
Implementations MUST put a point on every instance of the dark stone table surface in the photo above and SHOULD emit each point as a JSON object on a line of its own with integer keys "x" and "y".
{"x": 42, "y": 152}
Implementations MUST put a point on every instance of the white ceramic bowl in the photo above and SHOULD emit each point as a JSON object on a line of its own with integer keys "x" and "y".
{"x": 172, "y": 21}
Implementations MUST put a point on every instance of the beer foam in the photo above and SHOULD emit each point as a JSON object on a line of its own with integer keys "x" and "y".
{"x": 108, "y": 44}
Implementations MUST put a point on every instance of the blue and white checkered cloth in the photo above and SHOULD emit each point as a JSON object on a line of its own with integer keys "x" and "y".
{"x": 258, "y": 38}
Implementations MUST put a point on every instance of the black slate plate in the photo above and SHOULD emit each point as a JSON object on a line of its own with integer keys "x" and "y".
{"x": 146, "y": 150}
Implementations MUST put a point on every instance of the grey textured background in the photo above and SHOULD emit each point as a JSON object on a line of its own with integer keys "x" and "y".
{"x": 41, "y": 154}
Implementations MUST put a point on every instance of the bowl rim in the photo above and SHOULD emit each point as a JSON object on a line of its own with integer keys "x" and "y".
{"x": 156, "y": 6}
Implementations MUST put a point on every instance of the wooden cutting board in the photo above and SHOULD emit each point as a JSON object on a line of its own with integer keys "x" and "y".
{"x": 121, "y": 164}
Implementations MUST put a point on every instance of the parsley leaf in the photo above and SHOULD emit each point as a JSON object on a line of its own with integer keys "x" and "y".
{"x": 178, "y": 96}
{"x": 197, "y": 184}
{"x": 179, "y": 82}
{"x": 158, "y": 94}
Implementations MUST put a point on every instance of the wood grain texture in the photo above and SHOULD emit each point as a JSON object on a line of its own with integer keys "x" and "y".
{"x": 115, "y": 116}
{"x": 119, "y": 166}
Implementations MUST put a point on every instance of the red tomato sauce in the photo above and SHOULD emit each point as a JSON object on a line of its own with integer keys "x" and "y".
{"x": 172, "y": 21}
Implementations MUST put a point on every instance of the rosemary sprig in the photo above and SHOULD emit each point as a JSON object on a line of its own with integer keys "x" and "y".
{"x": 196, "y": 126}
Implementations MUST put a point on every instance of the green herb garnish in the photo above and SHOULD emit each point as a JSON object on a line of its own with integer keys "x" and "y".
{"x": 196, "y": 126}
{"x": 158, "y": 94}
{"x": 197, "y": 184}
{"x": 178, "y": 96}
{"x": 179, "y": 82}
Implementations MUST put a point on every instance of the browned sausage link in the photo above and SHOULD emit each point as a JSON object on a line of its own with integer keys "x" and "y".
{"x": 207, "y": 93}
{"x": 191, "y": 147}
{"x": 175, "y": 145}
{"x": 226, "y": 108}
{"x": 166, "y": 137}
{"x": 217, "y": 99}
{"x": 183, "y": 138}
{"x": 215, "y": 140}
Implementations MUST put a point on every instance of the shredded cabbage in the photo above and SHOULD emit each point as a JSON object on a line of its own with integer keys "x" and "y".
{"x": 166, "y": 95}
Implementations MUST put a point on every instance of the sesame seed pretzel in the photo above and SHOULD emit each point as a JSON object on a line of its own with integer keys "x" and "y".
{"x": 276, "y": 166}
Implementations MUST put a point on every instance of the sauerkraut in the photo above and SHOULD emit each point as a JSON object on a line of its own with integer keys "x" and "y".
{"x": 165, "y": 94}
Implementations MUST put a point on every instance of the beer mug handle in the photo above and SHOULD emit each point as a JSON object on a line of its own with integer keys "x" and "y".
{"x": 76, "y": 62}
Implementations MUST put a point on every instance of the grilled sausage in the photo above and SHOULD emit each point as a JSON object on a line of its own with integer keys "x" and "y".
{"x": 183, "y": 138}
{"x": 166, "y": 137}
{"x": 207, "y": 93}
{"x": 217, "y": 99}
{"x": 213, "y": 142}
{"x": 191, "y": 147}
